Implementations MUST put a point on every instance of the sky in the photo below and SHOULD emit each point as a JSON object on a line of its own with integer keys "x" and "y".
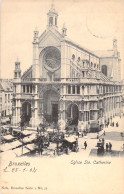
{"x": 91, "y": 23}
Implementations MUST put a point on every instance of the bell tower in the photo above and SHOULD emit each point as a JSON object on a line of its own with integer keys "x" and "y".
{"x": 52, "y": 18}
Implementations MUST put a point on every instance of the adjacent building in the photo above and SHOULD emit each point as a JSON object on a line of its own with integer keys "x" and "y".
{"x": 67, "y": 81}
{"x": 6, "y": 95}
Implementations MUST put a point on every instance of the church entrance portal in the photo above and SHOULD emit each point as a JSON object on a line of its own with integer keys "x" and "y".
{"x": 55, "y": 112}
{"x": 51, "y": 101}
{"x": 26, "y": 112}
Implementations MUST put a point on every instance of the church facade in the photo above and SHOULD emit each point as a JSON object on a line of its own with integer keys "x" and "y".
{"x": 67, "y": 82}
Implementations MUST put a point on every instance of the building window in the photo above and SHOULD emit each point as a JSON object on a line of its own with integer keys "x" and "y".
{"x": 23, "y": 88}
{"x": 15, "y": 74}
{"x": 91, "y": 115}
{"x": 27, "y": 89}
{"x": 15, "y": 89}
{"x": 78, "y": 89}
{"x": 8, "y": 96}
{"x": 69, "y": 89}
{"x": 31, "y": 89}
{"x": 73, "y": 57}
{"x": 73, "y": 89}
{"x": 104, "y": 69}
{"x": 82, "y": 73}
{"x": 56, "y": 21}
{"x": 51, "y": 21}
{"x": 5, "y": 98}
{"x": 79, "y": 59}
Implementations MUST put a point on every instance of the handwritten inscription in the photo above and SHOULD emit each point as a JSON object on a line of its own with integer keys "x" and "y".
{"x": 15, "y": 167}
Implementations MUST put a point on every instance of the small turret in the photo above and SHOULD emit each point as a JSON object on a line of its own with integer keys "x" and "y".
{"x": 52, "y": 17}
{"x": 35, "y": 38}
{"x": 64, "y": 30}
{"x": 17, "y": 71}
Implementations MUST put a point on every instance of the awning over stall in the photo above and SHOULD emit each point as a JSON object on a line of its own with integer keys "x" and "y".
{"x": 29, "y": 138}
{"x": 26, "y": 132}
{"x": 9, "y": 137}
{"x": 71, "y": 138}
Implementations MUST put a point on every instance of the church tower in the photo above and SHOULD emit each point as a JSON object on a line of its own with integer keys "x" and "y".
{"x": 17, "y": 71}
{"x": 52, "y": 18}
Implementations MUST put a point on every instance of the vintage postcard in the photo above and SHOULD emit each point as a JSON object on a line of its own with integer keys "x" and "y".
{"x": 62, "y": 97}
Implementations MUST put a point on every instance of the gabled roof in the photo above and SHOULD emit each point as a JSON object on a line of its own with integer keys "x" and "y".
{"x": 26, "y": 72}
{"x": 52, "y": 30}
{"x": 6, "y": 86}
{"x": 80, "y": 47}
{"x": 104, "y": 53}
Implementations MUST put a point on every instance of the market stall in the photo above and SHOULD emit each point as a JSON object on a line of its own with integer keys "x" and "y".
{"x": 8, "y": 138}
{"x": 21, "y": 151}
{"x": 29, "y": 139}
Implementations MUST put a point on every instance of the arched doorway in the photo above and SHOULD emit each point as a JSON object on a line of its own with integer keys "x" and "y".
{"x": 26, "y": 112}
{"x": 51, "y": 103}
{"x": 73, "y": 113}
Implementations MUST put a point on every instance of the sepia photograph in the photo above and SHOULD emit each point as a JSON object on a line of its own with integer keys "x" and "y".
{"x": 62, "y": 97}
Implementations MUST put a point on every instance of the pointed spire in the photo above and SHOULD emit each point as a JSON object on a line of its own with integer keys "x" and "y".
{"x": 36, "y": 33}
{"x": 115, "y": 46}
{"x": 17, "y": 71}
{"x": 52, "y": 9}
{"x": 17, "y": 59}
{"x": 36, "y": 29}
{"x": 52, "y": 17}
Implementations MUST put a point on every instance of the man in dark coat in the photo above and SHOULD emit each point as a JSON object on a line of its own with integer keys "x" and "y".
{"x": 85, "y": 145}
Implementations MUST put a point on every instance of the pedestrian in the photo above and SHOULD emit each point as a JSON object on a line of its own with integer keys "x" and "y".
{"x": 107, "y": 147}
{"x": 110, "y": 146}
{"x": 97, "y": 135}
{"x": 78, "y": 134}
{"x": 85, "y": 145}
{"x": 38, "y": 129}
{"x": 104, "y": 133}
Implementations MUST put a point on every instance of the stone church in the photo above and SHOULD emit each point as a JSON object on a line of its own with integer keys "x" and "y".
{"x": 67, "y": 82}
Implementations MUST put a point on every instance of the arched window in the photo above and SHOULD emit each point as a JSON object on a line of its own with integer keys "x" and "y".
{"x": 104, "y": 69}
{"x": 73, "y": 57}
{"x": 69, "y": 89}
{"x": 51, "y": 21}
{"x": 91, "y": 65}
{"x": 78, "y": 59}
{"x": 56, "y": 21}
